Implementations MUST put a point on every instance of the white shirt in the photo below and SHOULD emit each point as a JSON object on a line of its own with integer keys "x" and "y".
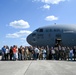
{"x": 7, "y": 51}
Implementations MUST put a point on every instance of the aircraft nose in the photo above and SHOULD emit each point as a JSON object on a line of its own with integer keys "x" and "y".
{"x": 28, "y": 38}
{"x": 31, "y": 39}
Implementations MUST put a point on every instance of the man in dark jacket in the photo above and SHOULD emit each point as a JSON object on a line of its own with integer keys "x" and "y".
{"x": 74, "y": 52}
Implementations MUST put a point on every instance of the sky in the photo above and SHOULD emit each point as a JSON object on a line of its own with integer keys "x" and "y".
{"x": 19, "y": 18}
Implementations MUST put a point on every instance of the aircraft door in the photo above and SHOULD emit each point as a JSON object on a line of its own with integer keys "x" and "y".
{"x": 58, "y": 40}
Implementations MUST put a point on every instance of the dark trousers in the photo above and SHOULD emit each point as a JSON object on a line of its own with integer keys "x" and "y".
{"x": 74, "y": 56}
{"x": 11, "y": 56}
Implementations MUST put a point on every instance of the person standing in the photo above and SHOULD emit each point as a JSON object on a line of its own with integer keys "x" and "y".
{"x": 36, "y": 52}
{"x": 14, "y": 52}
{"x": 11, "y": 53}
{"x": 44, "y": 53}
{"x": 20, "y": 53}
{"x": 71, "y": 54}
{"x": 23, "y": 53}
{"x": 74, "y": 52}
{"x": 3, "y": 52}
{"x": 7, "y": 53}
{"x": 40, "y": 54}
{"x": 53, "y": 53}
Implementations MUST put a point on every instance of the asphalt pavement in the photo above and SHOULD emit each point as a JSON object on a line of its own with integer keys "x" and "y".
{"x": 38, "y": 67}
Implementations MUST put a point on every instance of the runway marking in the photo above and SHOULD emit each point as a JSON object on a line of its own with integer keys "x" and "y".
{"x": 28, "y": 67}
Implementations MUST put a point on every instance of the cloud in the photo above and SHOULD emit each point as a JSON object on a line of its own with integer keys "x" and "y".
{"x": 18, "y": 34}
{"x": 24, "y": 39}
{"x": 23, "y": 42}
{"x": 51, "y": 1}
{"x": 19, "y": 24}
{"x": 46, "y": 6}
{"x": 51, "y": 18}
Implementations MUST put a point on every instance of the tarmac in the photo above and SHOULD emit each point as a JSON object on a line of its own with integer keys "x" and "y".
{"x": 37, "y": 67}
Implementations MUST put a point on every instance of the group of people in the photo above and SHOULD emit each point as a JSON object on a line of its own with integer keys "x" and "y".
{"x": 40, "y": 53}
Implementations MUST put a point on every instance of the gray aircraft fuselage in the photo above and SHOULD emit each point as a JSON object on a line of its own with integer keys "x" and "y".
{"x": 52, "y": 35}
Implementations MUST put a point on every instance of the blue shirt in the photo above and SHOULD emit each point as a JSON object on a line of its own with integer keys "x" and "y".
{"x": 3, "y": 49}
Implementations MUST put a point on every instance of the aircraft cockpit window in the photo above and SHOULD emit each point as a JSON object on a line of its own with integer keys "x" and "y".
{"x": 37, "y": 30}
{"x": 40, "y": 30}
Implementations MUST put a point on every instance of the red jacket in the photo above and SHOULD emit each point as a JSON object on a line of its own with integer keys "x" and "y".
{"x": 14, "y": 50}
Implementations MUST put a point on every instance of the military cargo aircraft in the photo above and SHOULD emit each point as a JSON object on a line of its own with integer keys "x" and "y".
{"x": 53, "y": 35}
